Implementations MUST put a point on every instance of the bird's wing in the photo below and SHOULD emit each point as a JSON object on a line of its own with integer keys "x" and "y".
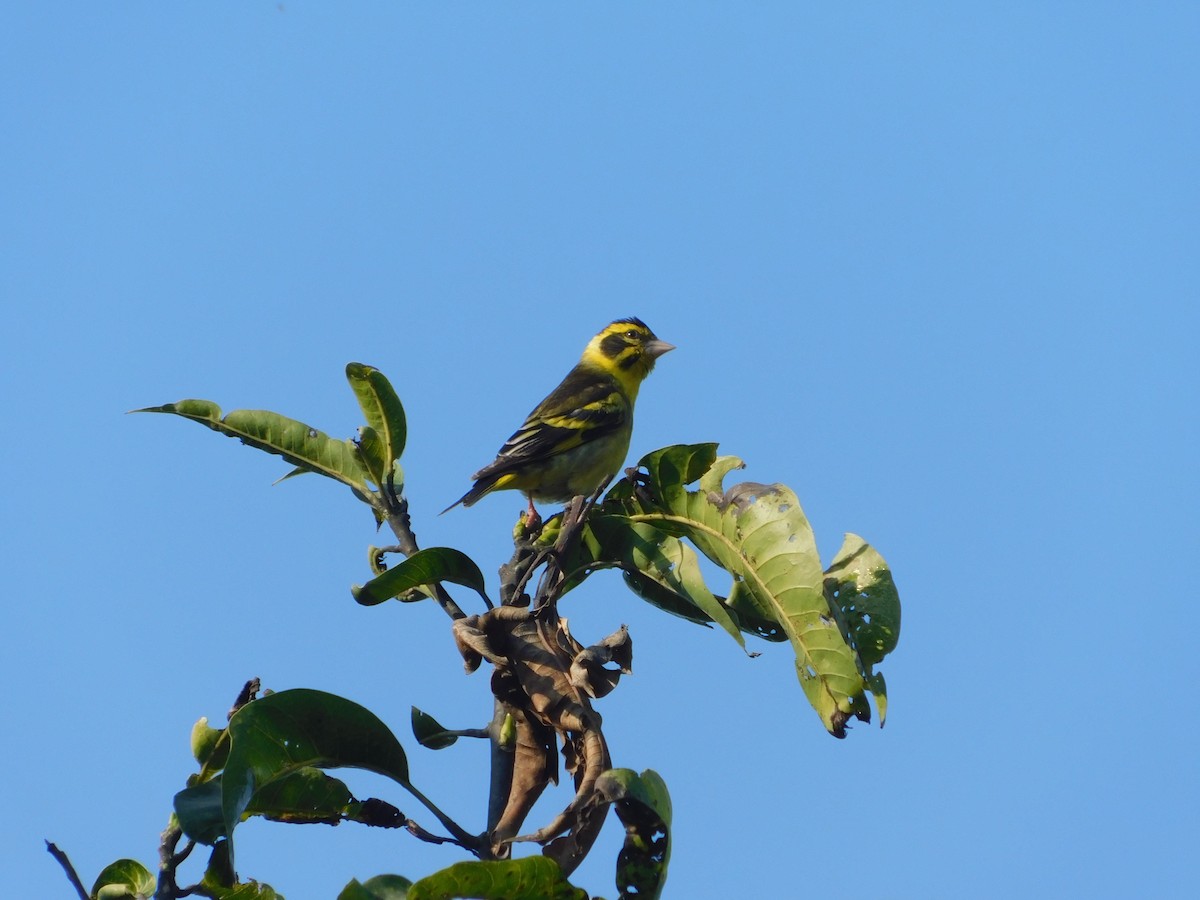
{"x": 581, "y": 409}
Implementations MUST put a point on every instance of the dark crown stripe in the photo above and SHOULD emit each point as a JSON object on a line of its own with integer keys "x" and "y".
{"x": 632, "y": 320}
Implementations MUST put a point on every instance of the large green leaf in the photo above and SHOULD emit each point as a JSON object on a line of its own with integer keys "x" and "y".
{"x": 644, "y": 807}
{"x": 306, "y": 796}
{"x": 125, "y": 879}
{"x": 860, "y": 585}
{"x": 305, "y": 447}
{"x": 282, "y": 733}
{"x": 657, "y": 594}
{"x": 530, "y": 878}
{"x": 752, "y": 619}
{"x": 673, "y": 468}
{"x": 198, "y": 809}
{"x": 759, "y": 534}
{"x": 647, "y": 553}
{"x": 381, "y": 408}
{"x": 425, "y": 567}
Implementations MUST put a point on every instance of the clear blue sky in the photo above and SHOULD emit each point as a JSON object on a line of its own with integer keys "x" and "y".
{"x": 934, "y": 267}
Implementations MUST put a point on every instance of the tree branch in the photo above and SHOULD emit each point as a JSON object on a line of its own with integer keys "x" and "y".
{"x": 395, "y": 510}
{"x": 72, "y": 875}
{"x": 471, "y": 842}
{"x": 502, "y": 766}
{"x": 168, "y": 861}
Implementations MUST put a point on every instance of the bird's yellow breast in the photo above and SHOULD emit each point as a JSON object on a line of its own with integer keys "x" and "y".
{"x": 574, "y": 472}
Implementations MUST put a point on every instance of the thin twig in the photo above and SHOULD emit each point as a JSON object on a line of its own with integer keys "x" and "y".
{"x": 470, "y": 732}
{"x": 398, "y": 519}
{"x": 417, "y": 831}
{"x": 72, "y": 875}
{"x": 184, "y": 853}
{"x": 471, "y": 842}
{"x": 553, "y": 578}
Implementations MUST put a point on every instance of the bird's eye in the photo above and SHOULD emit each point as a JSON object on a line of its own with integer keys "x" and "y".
{"x": 631, "y": 334}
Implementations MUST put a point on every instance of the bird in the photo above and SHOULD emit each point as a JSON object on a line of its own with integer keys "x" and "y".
{"x": 576, "y": 439}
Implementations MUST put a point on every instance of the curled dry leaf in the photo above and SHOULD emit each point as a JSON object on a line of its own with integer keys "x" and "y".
{"x": 544, "y": 678}
{"x": 588, "y": 668}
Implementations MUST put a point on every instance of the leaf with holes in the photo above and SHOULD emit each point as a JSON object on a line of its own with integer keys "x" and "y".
{"x": 859, "y": 584}
{"x": 760, "y": 535}
{"x": 644, "y": 807}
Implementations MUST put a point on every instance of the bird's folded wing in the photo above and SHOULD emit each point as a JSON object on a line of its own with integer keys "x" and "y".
{"x": 581, "y": 409}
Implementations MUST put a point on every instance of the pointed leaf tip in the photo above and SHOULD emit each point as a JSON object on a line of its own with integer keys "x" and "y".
{"x": 301, "y": 445}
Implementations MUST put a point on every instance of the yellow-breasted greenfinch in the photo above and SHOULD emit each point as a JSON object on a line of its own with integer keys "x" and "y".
{"x": 576, "y": 440}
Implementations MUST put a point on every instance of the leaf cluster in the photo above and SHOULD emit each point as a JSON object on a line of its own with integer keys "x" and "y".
{"x": 655, "y": 525}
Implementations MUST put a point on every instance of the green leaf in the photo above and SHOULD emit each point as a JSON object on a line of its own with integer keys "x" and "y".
{"x": 306, "y": 796}
{"x": 125, "y": 879}
{"x": 198, "y": 809}
{"x": 281, "y": 733}
{"x": 879, "y": 691}
{"x": 656, "y": 594}
{"x": 220, "y": 882}
{"x": 371, "y": 454}
{"x": 207, "y": 747}
{"x": 251, "y": 890}
{"x": 381, "y": 408}
{"x": 750, "y": 618}
{"x": 644, "y": 807}
{"x": 425, "y": 567}
{"x": 302, "y": 446}
{"x": 672, "y": 468}
{"x": 429, "y": 732}
{"x": 759, "y": 534}
{"x": 381, "y": 887}
{"x": 859, "y": 584}
{"x": 647, "y": 553}
{"x": 530, "y": 878}
{"x": 219, "y": 875}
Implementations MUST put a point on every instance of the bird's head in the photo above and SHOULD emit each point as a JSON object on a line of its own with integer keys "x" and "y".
{"x": 626, "y": 349}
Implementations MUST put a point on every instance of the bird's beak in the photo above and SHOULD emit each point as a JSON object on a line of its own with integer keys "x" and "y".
{"x": 657, "y": 348}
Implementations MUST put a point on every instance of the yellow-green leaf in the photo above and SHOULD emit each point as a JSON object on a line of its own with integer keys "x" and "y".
{"x": 382, "y": 409}
{"x": 301, "y": 445}
{"x": 760, "y": 535}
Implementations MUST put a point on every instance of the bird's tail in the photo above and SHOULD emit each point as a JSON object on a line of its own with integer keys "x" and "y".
{"x": 468, "y": 499}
